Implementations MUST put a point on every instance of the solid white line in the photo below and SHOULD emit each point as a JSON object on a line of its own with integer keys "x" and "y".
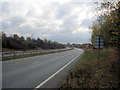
{"x": 55, "y": 73}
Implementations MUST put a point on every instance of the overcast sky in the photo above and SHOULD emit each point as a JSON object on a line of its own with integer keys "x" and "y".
{"x": 57, "y": 21}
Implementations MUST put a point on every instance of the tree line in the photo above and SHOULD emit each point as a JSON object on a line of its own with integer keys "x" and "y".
{"x": 20, "y": 43}
{"x": 108, "y": 25}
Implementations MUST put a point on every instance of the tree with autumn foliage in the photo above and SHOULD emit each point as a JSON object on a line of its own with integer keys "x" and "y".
{"x": 108, "y": 25}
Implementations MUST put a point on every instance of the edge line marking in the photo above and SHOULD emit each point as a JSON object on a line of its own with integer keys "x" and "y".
{"x": 41, "y": 84}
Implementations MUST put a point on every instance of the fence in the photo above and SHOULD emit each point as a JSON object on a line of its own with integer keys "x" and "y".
{"x": 6, "y": 54}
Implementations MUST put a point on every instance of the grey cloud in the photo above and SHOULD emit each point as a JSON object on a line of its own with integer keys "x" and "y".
{"x": 87, "y": 22}
{"x": 64, "y": 38}
{"x": 26, "y": 30}
{"x": 5, "y": 6}
{"x": 70, "y": 23}
{"x": 13, "y": 22}
{"x": 16, "y": 21}
{"x": 30, "y": 12}
{"x": 5, "y": 25}
{"x": 67, "y": 8}
{"x": 20, "y": 30}
{"x": 62, "y": 11}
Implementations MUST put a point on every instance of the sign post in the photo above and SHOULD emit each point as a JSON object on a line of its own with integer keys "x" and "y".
{"x": 98, "y": 45}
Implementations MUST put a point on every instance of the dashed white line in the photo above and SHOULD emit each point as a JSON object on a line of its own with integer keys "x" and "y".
{"x": 41, "y": 84}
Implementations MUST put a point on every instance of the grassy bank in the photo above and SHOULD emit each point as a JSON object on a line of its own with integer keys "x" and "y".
{"x": 29, "y": 55}
{"x": 90, "y": 74}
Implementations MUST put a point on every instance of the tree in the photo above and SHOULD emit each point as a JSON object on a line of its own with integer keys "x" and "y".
{"x": 4, "y": 40}
{"x": 108, "y": 23}
{"x": 95, "y": 31}
{"x": 16, "y": 36}
{"x": 45, "y": 40}
{"x": 22, "y": 39}
{"x": 19, "y": 43}
{"x": 28, "y": 38}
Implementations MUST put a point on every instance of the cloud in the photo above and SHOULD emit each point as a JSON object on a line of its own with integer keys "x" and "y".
{"x": 63, "y": 10}
{"x": 62, "y": 22}
{"x": 87, "y": 22}
{"x": 68, "y": 37}
{"x": 5, "y": 25}
{"x": 5, "y": 7}
{"x": 16, "y": 21}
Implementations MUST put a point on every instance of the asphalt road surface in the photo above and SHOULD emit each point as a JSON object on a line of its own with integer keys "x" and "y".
{"x": 44, "y": 71}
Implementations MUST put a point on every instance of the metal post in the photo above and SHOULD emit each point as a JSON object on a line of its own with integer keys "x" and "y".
{"x": 99, "y": 54}
{"x": 2, "y": 55}
{"x": 98, "y": 58}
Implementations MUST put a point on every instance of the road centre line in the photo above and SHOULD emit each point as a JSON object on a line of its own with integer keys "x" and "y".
{"x": 41, "y": 84}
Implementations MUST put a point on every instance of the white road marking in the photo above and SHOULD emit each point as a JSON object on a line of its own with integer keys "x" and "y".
{"x": 41, "y": 84}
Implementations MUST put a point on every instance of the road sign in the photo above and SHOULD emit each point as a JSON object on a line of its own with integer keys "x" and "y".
{"x": 98, "y": 42}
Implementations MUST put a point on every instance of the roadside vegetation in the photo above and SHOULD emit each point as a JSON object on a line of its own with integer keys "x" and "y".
{"x": 105, "y": 73}
{"x": 89, "y": 73}
{"x": 108, "y": 25}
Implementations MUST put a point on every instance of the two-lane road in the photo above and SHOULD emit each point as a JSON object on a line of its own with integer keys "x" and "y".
{"x": 39, "y": 71}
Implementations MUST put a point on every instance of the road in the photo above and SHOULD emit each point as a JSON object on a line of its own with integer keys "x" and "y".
{"x": 45, "y": 71}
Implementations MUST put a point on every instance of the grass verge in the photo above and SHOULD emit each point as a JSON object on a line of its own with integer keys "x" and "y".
{"x": 90, "y": 74}
{"x": 29, "y": 55}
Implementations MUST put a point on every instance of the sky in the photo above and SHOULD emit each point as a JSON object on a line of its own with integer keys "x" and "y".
{"x": 56, "y": 20}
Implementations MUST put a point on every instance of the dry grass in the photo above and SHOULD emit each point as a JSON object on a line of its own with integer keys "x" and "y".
{"x": 91, "y": 74}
